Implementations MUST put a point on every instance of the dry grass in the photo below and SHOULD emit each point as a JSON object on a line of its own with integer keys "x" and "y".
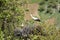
{"x": 33, "y": 8}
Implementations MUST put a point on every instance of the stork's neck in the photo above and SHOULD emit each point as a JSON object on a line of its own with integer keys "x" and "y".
{"x": 31, "y": 15}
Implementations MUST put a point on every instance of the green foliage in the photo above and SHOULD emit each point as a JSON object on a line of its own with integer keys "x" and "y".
{"x": 12, "y": 15}
{"x": 1, "y": 35}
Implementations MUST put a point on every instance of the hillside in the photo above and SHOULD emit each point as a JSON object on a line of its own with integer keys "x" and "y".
{"x": 16, "y": 22}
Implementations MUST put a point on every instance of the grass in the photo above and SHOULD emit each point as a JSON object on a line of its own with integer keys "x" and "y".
{"x": 52, "y": 33}
{"x": 36, "y": 1}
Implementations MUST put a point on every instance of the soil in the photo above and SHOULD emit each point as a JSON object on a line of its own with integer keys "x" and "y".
{"x": 33, "y": 9}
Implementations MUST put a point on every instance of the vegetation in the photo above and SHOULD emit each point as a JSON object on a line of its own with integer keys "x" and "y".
{"x": 12, "y": 16}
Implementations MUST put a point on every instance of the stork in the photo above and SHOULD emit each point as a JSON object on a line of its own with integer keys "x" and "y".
{"x": 35, "y": 18}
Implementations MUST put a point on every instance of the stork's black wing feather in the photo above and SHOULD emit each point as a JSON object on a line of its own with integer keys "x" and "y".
{"x": 38, "y": 20}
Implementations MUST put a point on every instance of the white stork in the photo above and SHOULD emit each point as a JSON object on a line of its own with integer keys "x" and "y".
{"x": 35, "y": 18}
